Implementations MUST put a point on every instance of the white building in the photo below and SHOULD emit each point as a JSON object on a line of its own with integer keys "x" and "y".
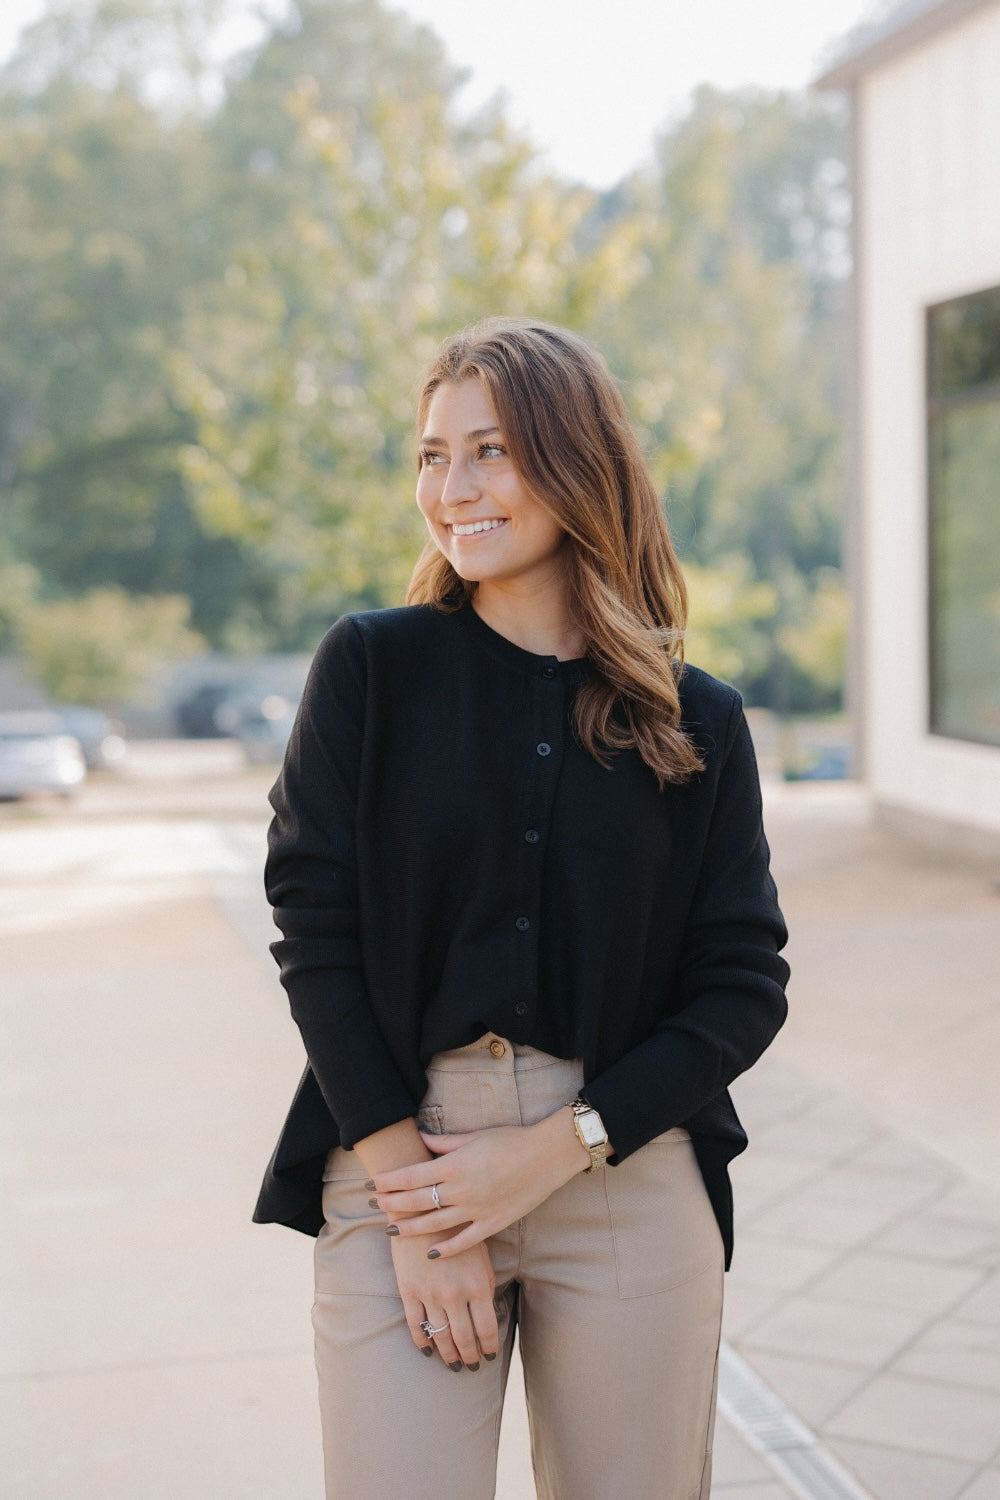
{"x": 924, "y": 538}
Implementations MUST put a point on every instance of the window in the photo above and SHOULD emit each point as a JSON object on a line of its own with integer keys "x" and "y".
{"x": 963, "y": 444}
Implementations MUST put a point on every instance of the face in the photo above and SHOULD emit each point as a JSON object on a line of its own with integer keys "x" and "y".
{"x": 477, "y": 509}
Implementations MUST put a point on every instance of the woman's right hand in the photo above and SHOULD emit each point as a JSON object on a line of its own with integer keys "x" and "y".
{"x": 457, "y": 1290}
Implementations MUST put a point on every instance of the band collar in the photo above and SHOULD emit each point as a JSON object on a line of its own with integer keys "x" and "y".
{"x": 515, "y": 656}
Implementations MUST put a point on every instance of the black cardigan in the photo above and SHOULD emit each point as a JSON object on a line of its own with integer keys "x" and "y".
{"x": 446, "y": 859}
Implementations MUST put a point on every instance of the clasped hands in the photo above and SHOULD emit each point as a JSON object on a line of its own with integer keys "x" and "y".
{"x": 485, "y": 1179}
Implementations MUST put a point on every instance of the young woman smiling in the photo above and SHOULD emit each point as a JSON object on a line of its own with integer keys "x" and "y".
{"x": 530, "y": 937}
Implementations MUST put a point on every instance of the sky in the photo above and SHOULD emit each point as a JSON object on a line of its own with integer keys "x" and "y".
{"x": 591, "y": 81}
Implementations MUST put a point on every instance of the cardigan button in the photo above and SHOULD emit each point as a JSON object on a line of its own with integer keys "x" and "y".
{"x": 544, "y": 749}
{"x": 549, "y": 672}
{"x": 531, "y": 836}
{"x": 522, "y": 924}
{"x": 520, "y": 1009}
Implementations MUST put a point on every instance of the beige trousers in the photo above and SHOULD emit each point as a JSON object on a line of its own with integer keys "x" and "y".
{"x": 614, "y": 1284}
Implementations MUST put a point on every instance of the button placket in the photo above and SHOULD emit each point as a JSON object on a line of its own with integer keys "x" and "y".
{"x": 548, "y": 697}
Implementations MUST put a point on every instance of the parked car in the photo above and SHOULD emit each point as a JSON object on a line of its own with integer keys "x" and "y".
{"x": 99, "y": 736}
{"x": 37, "y": 755}
{"x": 261, "y": 721}
{"x": 198, "y": 713}
{"x": 821, "y": 763}
{"x": 255, "y": 704}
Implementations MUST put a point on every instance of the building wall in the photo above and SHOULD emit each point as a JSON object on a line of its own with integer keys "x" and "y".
{"x": 928, "y": 189}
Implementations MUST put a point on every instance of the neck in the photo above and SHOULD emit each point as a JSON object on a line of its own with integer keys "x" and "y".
{"x": 539, "y": 623}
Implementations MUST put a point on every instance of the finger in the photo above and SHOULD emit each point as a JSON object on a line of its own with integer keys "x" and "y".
{"x": 473, "y": 1234}
{"x": 414, "y": 1312}
{"x": 442, "y": 1144}
{"x": 484, "y": 1320}
{"x": 434, "y": 1222}
{"x": 416, "y": 1200}
{"x": 463, "y": 1336}
{"x": 444, "y": 1341}
{"x": 420, "y": 1174}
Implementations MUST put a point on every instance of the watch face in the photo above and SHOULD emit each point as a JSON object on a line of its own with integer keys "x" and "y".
{"x": 591, "y": 1129}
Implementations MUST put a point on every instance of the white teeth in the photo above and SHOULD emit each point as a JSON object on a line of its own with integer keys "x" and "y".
{"x": 475, "y": 526}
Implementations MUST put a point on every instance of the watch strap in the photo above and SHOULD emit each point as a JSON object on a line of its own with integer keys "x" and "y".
{"x": 594, "y": 1140}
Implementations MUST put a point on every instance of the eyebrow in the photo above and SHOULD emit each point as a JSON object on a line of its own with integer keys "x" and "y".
{"x": 470, "y": 437}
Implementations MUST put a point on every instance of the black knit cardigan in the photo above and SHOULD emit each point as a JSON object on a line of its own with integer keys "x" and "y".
{"x": 446, "y": 859}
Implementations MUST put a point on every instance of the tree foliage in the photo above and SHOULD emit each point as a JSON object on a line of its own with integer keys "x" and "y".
{"x": 731, "y": 343}
{"x": 107, "y": 646}
{"x": 217, "y": 294}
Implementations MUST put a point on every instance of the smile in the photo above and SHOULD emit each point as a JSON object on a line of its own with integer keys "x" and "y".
{"x": 474, "y": 527}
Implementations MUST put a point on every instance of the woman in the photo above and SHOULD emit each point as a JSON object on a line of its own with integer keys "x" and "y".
{"x": 528, "y": 929}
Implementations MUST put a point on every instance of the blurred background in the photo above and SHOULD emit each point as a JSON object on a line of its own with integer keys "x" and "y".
{"x": 232, "y": 233}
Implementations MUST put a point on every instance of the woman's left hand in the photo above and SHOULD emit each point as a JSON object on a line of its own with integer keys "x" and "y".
{"x": 486, "y": 1179}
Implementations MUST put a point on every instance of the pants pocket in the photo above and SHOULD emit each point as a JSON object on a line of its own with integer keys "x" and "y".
{"x": 662, "y": 1223}
{"x": 352, "y": 1253}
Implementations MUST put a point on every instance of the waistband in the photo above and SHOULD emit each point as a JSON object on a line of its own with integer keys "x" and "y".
{"x": 491, "y": 1050}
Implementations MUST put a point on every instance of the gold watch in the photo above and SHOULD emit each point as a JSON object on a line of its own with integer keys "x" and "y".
{"x": 590, "y": 1129}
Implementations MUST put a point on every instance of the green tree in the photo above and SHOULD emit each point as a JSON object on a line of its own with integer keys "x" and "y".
{"x": 729, "y": 613}
{"x": 216, "y": 295}
{"x": 731, "y": 345}
{"x": 814, "y": 643}
{"x": 106, "y": 647}
{"x": 107, "y": 213}
{"x": 390, "y": 224}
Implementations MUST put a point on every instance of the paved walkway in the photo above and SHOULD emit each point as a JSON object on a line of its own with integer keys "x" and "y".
{"x": 153, "y": 1343}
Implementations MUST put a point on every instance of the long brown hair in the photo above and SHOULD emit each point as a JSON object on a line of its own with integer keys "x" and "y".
{"x": 570, "y": 439}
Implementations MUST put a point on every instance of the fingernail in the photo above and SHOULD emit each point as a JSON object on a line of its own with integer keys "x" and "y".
{"x": 458, "y": 1365}
{"x": 431, "y": 1254}
{"x": 473, "y": 1367}
{"x": 488, "y": 1356}
{"x": 428, "y": 1349}
{"x": 373, "y": 1203}
{"x": 392, "y": 1229}
{"x": 370, "y": 1185}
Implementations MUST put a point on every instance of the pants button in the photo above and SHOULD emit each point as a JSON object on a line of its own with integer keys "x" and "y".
{"x": 497, "y": 1047}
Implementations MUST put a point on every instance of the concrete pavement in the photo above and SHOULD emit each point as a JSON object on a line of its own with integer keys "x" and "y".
{"x": 155, "y": 1345}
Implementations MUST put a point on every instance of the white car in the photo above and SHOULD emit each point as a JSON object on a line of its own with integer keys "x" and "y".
{"x": 37, "y": 755}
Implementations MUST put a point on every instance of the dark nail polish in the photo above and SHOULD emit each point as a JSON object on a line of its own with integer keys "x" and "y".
{"x": 473, "y": 1367}
{"x": 370, "y": 1184}
{"x": 488, "y": 1356}
{"x": 433, "y": 1254}
{"x": 392, "y": 1229}
{"x": 458, "y": 1365}
{"x": 428, "y": 1350}
{"x": 373, "y": 1203}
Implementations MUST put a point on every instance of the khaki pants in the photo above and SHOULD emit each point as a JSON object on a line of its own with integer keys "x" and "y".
{"x": 614, "y": 1284}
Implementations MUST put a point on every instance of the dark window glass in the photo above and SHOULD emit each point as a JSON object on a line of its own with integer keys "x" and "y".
{"x": 963, "y": 346}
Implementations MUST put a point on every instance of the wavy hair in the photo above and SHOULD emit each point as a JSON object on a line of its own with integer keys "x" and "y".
{"x": 568, "y": 433}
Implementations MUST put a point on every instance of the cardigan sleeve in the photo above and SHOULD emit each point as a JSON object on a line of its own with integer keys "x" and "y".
{"x": 312, "y": 884}
{"x": 728, "y": 1000}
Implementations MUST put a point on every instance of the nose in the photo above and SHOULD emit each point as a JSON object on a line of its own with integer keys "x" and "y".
{"x": 460, "y": 485}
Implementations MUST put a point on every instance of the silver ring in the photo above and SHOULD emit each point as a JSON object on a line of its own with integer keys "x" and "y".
{"x": 425, "y": 1327}
{"x": 435, "y": 1195}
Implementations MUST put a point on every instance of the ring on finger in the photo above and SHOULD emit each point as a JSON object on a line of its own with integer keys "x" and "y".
{"x": 426, "y": 1328}
{"x": 435, "y": 1195}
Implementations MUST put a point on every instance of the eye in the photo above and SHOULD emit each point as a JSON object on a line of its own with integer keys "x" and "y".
{"x": 491, "y": 450}
{"x": 430, "y": 457}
